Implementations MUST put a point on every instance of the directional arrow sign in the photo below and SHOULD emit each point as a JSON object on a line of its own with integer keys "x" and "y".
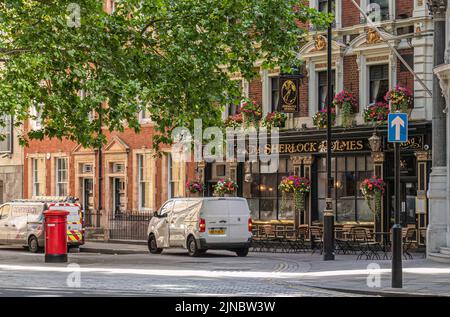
{"x": 397, "y": 127}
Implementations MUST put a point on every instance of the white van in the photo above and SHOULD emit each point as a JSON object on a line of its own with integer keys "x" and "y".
{"x": 200, "y": 224}
{"x": 22, "y": 221}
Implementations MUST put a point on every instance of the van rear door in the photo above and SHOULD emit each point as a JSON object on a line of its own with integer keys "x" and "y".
{"x": 74, "y": 221}
{"x": 238, "y": 220}
{"x": 216, "y": 215}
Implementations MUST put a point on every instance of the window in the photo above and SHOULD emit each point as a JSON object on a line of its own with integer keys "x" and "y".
{"x": 4, "y": 212}
{"x": 36, "y": 116}
{"x": 323, "y": 88}
{"x": 175, "y": 176}
{"x": 166, "y": 208}
{"x": 1, "y": 192}
{"x": 37, "y": 174}
{"x": 275, "y": 93}
{"x": 61, "y": 177}
{"x": 113, "y": 6}
{"x": 6, "y": 132}
{"x": 144, "y": 182}
{"x": 347, "y": 172}
{"x": 144, "y": 116}
{"x": 379, "y": 82}
{"x": 384, "y": 8}
{"x": 323, "y": 6}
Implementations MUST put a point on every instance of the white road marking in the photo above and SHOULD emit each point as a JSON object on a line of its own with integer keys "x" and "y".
{"x": 218, "y": 274}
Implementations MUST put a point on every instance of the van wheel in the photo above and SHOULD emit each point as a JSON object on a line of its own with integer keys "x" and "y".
{"x": 242, "y": 252}
{"x": 192, "y": 247}
{"x": 152, "y": 246}
{"x": 33, "y": 245}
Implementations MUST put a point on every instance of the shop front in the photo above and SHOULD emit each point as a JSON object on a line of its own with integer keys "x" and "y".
{"x": 357, "y": 155}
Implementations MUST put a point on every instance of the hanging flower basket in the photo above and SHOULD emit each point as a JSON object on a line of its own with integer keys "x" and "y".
{"x": 401, "y": 99}
{"x": 376, "y": 113}
{"x": 234, "y": 121}
{"x": 195, "y": 187}
{"x": 346, "y": 102}
{"x": 373, "y": 190}
{"x": 296, "y": 186}
{"x": 320, "y": 118}
{"x": 225, "y": 187}
{"x": 274, "y": 119}
{"x": 251, "y": 112}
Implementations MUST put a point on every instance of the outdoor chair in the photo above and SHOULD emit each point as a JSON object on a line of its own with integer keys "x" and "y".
{"x": 316, "y": 238}
{"x": 343, "y": 242}
{"x": 367, "y": 246}
{"x": 269, "y": 240}
{"x": 298, "y": 241}
{"x": 256, "y": 239}
{"x": 408, "y": 240}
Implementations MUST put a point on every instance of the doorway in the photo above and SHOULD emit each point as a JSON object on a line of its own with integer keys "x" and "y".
{"x": 119, "y": 197}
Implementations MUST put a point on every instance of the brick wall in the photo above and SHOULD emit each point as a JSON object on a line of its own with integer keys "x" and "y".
{"x": 404, "y": 77}
{"x": 404, "y": 8}
{"x": 304, "y": 97}
{"x": 350, "y": 13}
{"x": 255, "y": 90}
{"x": 351, "y": 75}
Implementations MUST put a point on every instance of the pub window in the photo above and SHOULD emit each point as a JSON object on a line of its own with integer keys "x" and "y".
{"x": 61, "y": 177}
{"x": 378, "y": 82}
{"x": 275, "y": 93}
{"x": 323, "y": 88}
{"x": 384, "y": 8}
{"x": 5, "y": 132}
{"x": 347, "y": 174}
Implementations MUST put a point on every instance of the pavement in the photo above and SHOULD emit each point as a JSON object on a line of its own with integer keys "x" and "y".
{"x": 116, "y": 269}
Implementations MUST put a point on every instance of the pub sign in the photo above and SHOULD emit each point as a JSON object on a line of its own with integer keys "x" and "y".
{"x": 288, "y": 101}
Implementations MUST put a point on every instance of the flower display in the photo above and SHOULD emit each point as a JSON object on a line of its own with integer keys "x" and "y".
{"x": 274, "y": 119}
{"x": 377, "y": 112}
{"x": 293, "y": 183}
{"x": 225, "y": 186}
{"x": 346, "y": 102}
{"x": 296, "y": 186}
{"x": 251, "y": 111}
{"x": 401, "y": 99}
{"x": 195, "y": 186}
{"x": 373, "y": 191}
{"x": 234, "y": 121}
{"x": 320, "y": 118}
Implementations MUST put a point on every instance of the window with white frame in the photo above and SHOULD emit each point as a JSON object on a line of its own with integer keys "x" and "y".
{"x": 378, "y": 82}
{"x": 234, "y": 107}
{"x": 36, "y": 116}
{"x": 274, "y": 93}
{"x": 36, "y": 174}
{"x": 61, "y": 171}
{"x": 144, "y": 182}
{"x": 175, "y": 177}
{"x": 322, "y": 87}
{"x": 6, "y": 133}
{"x": 144, "y": 116}
{"x": 382, "y": 6}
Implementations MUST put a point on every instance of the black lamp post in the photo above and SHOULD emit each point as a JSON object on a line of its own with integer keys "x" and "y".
{"x": 328, "y": 215}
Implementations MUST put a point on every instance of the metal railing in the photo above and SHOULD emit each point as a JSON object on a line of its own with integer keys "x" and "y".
{"x": 129, "y": 226}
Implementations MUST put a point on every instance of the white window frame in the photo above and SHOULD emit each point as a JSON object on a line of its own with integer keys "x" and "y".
{"x": 58, "y": 172}
{"x": 7, "y": 131}
{"x": 315, "y": 5}
{"x": 141, "y": 181}
{"x": 36, "y": 117}
{"x": 35, "y": 176}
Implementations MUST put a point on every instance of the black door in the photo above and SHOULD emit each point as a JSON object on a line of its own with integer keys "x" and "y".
{"x": 119, "y": 193}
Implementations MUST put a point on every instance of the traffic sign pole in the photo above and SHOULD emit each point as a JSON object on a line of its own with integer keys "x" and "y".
{"x": 397, "y": 274}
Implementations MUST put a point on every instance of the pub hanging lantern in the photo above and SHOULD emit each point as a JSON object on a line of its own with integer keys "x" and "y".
{"x": 288, "y": 101}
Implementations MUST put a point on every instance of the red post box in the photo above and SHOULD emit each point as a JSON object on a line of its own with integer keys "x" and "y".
{"x": 55, "y": 236}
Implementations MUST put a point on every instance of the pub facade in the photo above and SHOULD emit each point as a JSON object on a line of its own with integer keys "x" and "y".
{"x": 363, "y": 64}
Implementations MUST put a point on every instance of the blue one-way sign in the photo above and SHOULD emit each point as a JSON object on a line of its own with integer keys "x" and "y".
{"x": 397, "y": 127}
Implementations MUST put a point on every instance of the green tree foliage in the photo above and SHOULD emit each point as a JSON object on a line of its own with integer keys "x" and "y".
{"x": 171, "y": 57}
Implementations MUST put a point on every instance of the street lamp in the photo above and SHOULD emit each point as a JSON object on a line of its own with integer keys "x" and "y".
{"x": 328, "y": 215}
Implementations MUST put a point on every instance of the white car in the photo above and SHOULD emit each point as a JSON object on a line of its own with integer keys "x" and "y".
{"x": 200, "y": 224}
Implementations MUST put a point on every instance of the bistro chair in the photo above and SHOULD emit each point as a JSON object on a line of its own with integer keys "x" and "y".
{"x": 408, "y": 240}
{"x": 298, "y": 242}
{"x": 343, "y": 240}
{"x": 256, "y": 239}
{"x": 269, "y": 239}
{"x": 316, "y": 238}
{"x": 364, "y": 241}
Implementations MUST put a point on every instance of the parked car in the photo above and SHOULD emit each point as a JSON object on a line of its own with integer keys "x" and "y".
{"x": 22, "y": 222}
{"x": 200, "y": 224}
